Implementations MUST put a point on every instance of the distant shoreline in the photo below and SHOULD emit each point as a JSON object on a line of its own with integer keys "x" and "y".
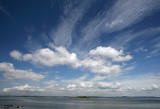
{"x": 87, "y": 96}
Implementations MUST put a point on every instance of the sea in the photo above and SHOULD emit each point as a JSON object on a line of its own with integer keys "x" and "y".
{"x": 54, "y": 102}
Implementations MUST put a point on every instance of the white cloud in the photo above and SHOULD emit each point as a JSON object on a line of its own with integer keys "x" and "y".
{"x": 25, "y": 87}
{"x": 151, "y": 88}
{"x": 126, "y": 12}
{"x": 123, "y": 14}
{"x": 11, "y": 73}
{"x": 19, "y": 56}
{"x": 71, "y": 86}
{"x": 97, "y": 61}
{"x": 109, "y": 52}
{"x": 94, "y": 83}
{"x": 27, "y": 57}
{"x": 99, "y": 67}
{"x": 146, "y": 84}
{"x": 155, "y": 46}
{"x": 141, "y": 83}
{"x": 63, "y": 35}
{"x": 86, "y": 84}
{"x": 16, "y": 54}
{"x": 107, "y": 85}
{"x": 141, "y": 49}
{"x": 51, "y": 84}
{"x": 125, "y": 38}
{"x": 98, "y": 78}
{"x": 60, "y": 56}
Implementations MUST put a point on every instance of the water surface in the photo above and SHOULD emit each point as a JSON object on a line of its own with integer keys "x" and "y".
{"x": 83, "y": 103}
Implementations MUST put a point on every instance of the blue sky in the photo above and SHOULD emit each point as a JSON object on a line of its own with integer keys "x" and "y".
{"x": 73, "y": 47}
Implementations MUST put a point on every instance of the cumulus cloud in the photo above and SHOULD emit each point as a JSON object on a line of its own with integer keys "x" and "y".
{"x": 25, "y": 87}
{"x": 97, "y": 85}
{"x": 109, "y": 52}
{"x": 107, "y": 85}
{"x": 11, "y": 73}
{"x": 19, "y": 56}
{"x": 151, "y": 88}
{"x": 60, "y": 56}
{"x": 51, "y": 84}
{"x": 99, "y": 66}
{"x": 141, "y": 83}
{"x": 71, "y": 86}
{"x": 97, "y": 61}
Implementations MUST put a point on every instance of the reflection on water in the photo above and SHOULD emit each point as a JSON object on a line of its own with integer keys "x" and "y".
{"x": 71, "y": 103}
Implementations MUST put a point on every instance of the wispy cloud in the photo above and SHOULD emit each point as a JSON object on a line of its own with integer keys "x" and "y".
{"x": 3, "y": 10}
{"x": 155, "y": 46}
{"x": 125, "y": 38}
{"x": 62, "y": 36}
{"x": 121, "y": 15}
{"x": 127, "y": 12}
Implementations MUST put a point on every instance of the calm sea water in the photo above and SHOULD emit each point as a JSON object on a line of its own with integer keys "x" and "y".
{"x": 70, "y": 103}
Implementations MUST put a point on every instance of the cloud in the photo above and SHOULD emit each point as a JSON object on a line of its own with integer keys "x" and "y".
{"x": 71, "y": 86}
{"x": 93, "y": 84}
{"x": 95, "y": 61}
{"x": 151, "y": 88}
{"x": 80, "y": 82}
{"x": 126, "y": 12}
{"x": 73, "y": 12}
{"x": 84, "y": 83}
{"x": 121, "y": 15}
{"x": 17, "y": 74}
{"x": 2, "y": 9}
{"x": 109, "y": 52}
{"x": 141, "y": 83}
{"x": 19, "y": 56}
{"x": 48, "y": 57}
{"x": 146, "y": 84}
{"x": 155, "y": 46}
{"x": 99, "y": 67}
{"x": 141, "y": 49}
{"x": 52, "y": 84}
{"x": 99, "y": 62}
{"x": 60, "y": 56}
{"x": 106, "y": 85}
{"x": 125, "y": 38}
{"x": 22, "y": 88}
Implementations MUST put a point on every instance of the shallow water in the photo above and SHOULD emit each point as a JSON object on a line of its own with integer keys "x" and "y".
{"x": 70, "y": 103}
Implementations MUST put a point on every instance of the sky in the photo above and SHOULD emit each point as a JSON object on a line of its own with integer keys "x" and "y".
{"x": 80, "y": 47}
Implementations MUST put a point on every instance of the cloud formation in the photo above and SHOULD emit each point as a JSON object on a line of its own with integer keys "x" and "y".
{"x": 63, "y": 34}
{"x": 23, "y": 88}
{"x": 126, "y": 13}
{"x": 109, "y": 52}
{"x": 105, "y": 85}
{"x": 144, "y": 84}
{"x": 11, "y": 73}
{"x": 18, "y": 56}
{"x": 98, "y": 60}
{"x": 121, "y": 15}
